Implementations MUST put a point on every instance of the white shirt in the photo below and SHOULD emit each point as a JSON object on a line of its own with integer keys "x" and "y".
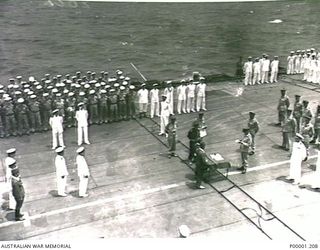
{"x": 164, "y": 109}
{"x": 61, "y": 166}
{"x": 256, "y": 67}
{"x": 190, "y": 90}
{"x": 143, "y": 96}
{"x": 56, "y": 123}
{"x": 168, "y": 92}
{"x": 8, "y": 170}
{"x": 154, "y": 95}
{"x": 247, "y": 67}
{"x": 201, "y": 89}
{"x": 181, "y": 92}
{"x": 266, "y": 65}
{"x": 82, "y": 118}
{"x": 275, "y": 65}
{"x": 82, "y": 166}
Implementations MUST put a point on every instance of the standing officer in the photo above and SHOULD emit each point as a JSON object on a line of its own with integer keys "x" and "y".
{"x": 290, "y": 60}
{"x": 171, "y": 132}
{"x": 191, "y": 88}
{"x": 274, "y": 70}
{"x": 70, "y": 110}
{"x": 253, "y": 126}
{"x": 82, "y": 120}
{"x": 93, "y": 107}
{"x": 297, "y": 111}
{"x": 168, "y": 92}
{"x": 45, "y": 108}
{"x": 11, "y": 153}
{"x": 56, "y": 123}
{"x": 143, "y": 100}
{"x": 17, "y": 189}
{"x": 21, "y": 112}
{"x": 34, "y": 106}
{"x": 265, "y": 70}
{"x": 83, "y": 172}
{"x": 154, "y": 101}
{"x": 122, "y": 103}
{"x": 283, "y": 106}
{"x": 201, "y": 95}
{"x": 316, "y": 138}
{"x": 113, "y": 104}
{"x": 245, "y": 144}
{"x": 103, "y": 107}
{"x": 256, "y": 72}
{"x": 194, "y": 137}
{"x": 11, "y": 125}
{"x": 247, "y": 70}
{"x": 202, "y": 164}
{"x": 289, "y": 129}
{"x": 130, "y": 100}
{"x": 181, "y": 93}
{"x": 164, "y": 115}
{"x": 61, "y": 172}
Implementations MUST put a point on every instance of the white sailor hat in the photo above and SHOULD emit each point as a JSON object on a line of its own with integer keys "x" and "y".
{"x": 11, "y": 80}
{"x": 55, "y": 90}
{"x": 112, "y": 90}
{"x": 202, "y": 78}
{"x": 143, "y": 84}
{"x": 119, "y": 72}
{"x": 93, "y": 82}
{"x": 82, "y": 83}
{"x": 86, "y": 86}
{"x": 155, "y": 84}
{"x": 107, "y": 86}
{"x": 79, "y": 150}
{"x": 26, "y": 90}
{"x": 39, "y": 87}
{"x": 62, "y": 85}
{"x": 121, "y": 77}
{"x": 20, "y": 100}
{"x": 47, "y": 75}
{"x": 59, "y": 76}
{"x": 1, "y": 86}
{"x": 116, "y": 85}
{"x": 89, "y": 72}
{"x": 183, "y": 81}
{"x": 298, "y": 51}
{"x": 122, "y": 88}
{"x": 102, "y": 83}
{"x": 299, "y": 136}
{"x": 68, "y": 81}
{"x": 184, "y": 231}
{"x": 80, "y": 104}
{"x": 312, "y": 49}
{"x": 55, "y": 111}
{"x": 50, "y": 87}
{"x": 78, "y": 72}
{"x": 169, "y": 82}
{"x": 65, "y": 91}
{"x": 82, "y": 93}
{"x": 17, "y": 93}
{"x": 31, "y": 79}
{"x": 97, "y": 85}
{"x": 26, "y": 86}
{"x": 10, "y": 86}
{"x": 45, "y": 94}
{"x": 77, "y": 86}
{"x": 10, "y": 161}
{"x": 59, "y": 150}
{"x": 127, "y": 78}
{"x": 92, "y": 91}
{"x": 16, "y": 86}
{"x": 2, "y": 91}
{"x": 291, "y": 52}
{"x": 19, "y": 77}
{"x": 132, "y": 87}
{"x": 33, "y": 96}
{"x": 11, "y": 150}
{"x": 112, "y": 79}
{"x": 124, "y": 83}
{"x": 70, "y": 94}
{"x": 47, "y": 81}
{"x": 103, "y": 91}
{"x": 5, "y": 95}
{"x": 58, "y": 94}
{"x": 7, "y": 98}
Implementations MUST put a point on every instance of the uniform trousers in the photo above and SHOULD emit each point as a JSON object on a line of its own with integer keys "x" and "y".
{"x": 181, "y": 107}
{"x": 17, "y": 213}
{"x": 164, "y": 120}
{"x": 248, "y": 78}
{"x": 265, "y": 77}
{"x": 83, "y": 185}
{"x": 82, "y": 131}
{"x": 61, "y": 185}
{"x": 190, "y": 104}
{"x": 287, "y": 140}
{"x": 290, "y": 68}
{"x": 201, "y": 102}
{"x": 274, "y": 76}
{"x": 154, "y": 109}
{"x": 143, "y": 107}
{"x": 244, "y": 159}
{"x": 256, "y": 78}
{"x": 57, "y": 135}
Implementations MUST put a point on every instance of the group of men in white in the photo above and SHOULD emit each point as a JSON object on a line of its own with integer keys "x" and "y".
{"x": 257, "y": 71}
{"x": 306, "y": 62}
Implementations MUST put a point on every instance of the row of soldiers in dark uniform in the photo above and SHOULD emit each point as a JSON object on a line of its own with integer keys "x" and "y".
{"x": 26, "y": 106}
{"x": 300, "y": 120}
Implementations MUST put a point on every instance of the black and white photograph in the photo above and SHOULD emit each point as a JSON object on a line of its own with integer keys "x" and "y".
{"x": 166, "y": 120}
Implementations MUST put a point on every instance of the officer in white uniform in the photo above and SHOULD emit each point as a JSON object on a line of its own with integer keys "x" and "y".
{"x": 247, "y": 70}
{"x": 307, "y": 65}
{"x": 191, "y": 88}
{"x": 168, "y": 92}
{"x": 82, "y": 120}
{"x": 164, "y": 115}
{"x": 181, "y": 93}
{"x": 83, "y": 172}
{"x": 201, "y": 95}
{"x": 274, "y": 70}
{"x": 61, "y": 172}
{"x": 256, "y": 72}
{"x": 56, "y": 123}
{"x": 265, "y": 70}
{"x": 10, "y": 155}
{"x": 154, "y": 101}
{"x": 143, "y": 100}
{"x": 297, "y": 62}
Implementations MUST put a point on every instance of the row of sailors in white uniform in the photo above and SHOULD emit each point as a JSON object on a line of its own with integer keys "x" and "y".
{"x": 257, "y": 72}
{"x": 190, "y": 97}
{"x": 306, "y": 63}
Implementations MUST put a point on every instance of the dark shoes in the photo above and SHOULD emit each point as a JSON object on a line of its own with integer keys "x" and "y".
{"x": 242, "y": 169}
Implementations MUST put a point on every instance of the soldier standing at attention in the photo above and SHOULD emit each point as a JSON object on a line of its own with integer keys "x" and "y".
{"x": 154, "y": 101}
{"x": 290, "y": 60}
{"x": 283, "y": 106}
{"x": 34, "y": 106}
{"x": 168, "y": 92}
{"x": 256, "y": 72}
{"x": 11, "y": 153}
{"x": 143, "y": 100}
{"x": 274, "y": 70}
{"x": 253, "y": 126}
{"x": 201, "y": 95}
{"x": 194, "y": 138}
{"x": 11, "y": 124}
{"x": 122, "y": 103}
{"x": 61, "y": 172}
{"x": 56, "y": 123}
{"x": 265, "y": 70}
{"x": 297, "y": 111}
{"x": 21, "y": 112}
{"x": 247, "y": 70}
{"x": 245, "y": 144}
{"x": 289, "y": 129}
{"x": 113, "y": 104}
{"x": 83, "y": 172}
{"x": 307, "y": 65}
{"x": 202, "y": 164}
{"x": 307, "y": 131}
{"x": 82, "y": 121}
{"x": 164, "y": 115}
{"x": 70, "y": 110}
{"x": 190, "y": 96}
{"x": 103, "y": 106}
{"x": 93, "y": 107}
{"x": 181, "y": 93}
{"x": 130, "y": 100}
{"x": 45, "y": 107}
{"x": 171, "y": 132}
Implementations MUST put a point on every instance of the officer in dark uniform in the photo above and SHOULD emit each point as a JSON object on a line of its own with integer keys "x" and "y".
{"x": 253, "y": 126}
{"x": 45, "y": 110}
{"x": 17, "y": 188}
{"x": 122, "y": 103}
{"x": 289, "y": 129}
{"x": 297, "y": 111}
{"x": 34, "y": 106}
{"x": 130, "y": 101}
{"x": 71, "y": 104}
{"x": 103, "y": 107}
{"x": 93, "y": 107}
{"x": 113, "y": 102}
{"x": 245, "y": 145}
{"x": 21, "y": 112}
{"x": 283, "y": 106}
{"x": 171, "y": 131}
{"x": 306, "y": 111}
{"x": 10, "y": 120}
{"x": 202, "y": 164}
{"x": 307, "y": 131}
{"x": 194, "y": 137}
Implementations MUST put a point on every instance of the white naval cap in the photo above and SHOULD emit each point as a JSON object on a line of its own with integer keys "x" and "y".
{"x": 16, "y": 86}
{"x": 10, "y": 161}
{"x": 184, "y": 231}
{"x": 45, "y": 94}
{"x": 55, "y": 90}
{"x": 107, "y": 86}
{"x": 79, "y": 150}
{"x": 80, "y": 104}
{"x": 97, "y": 85}
{"x": 92, "y": 91}
{"x": 58, "y": 94}
{"x": 70, "y": 94}
{"x": 31, "y": 79}
{"x": 39, "y": 87}
{"x": 124, "y": 83}
{"x": 11, "y": 150}
{"x": 7, "y": 98}
{"x": 122, "y": 88}
{"x": 55, "y": 111}
{"x": 33, "y": 96}
{"x": 59, "y": 150}
{"x": 102, "y": 83}
{"x": 103, "y": 91}
{"x": 82, "y": 93}
{"x": 127, "y": 78}
{"x": 116, "y": 85}
{"x": 86, "y": 86}
{"x": 20, "y": 100}
{"x": 26, "y": 91}
{"x": 119, "y": 72}
{"x": 121, "y": 77}
{"x": 132, "y": 87}
{"x": 18, "y": 92}
{"x": 30, "y": 92}
{"x": 65, "y": 91}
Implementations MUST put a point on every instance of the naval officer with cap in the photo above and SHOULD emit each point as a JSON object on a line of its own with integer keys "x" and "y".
{"x": 82, "y": 120}
{"x": 11, "y": 153}
{"x": 247, "y": 69}
{"x": 61, "y": 171}
{"x": 56, "y": 123}
{"x": 245, "y": 144}
{"x": 83, "y": 172}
